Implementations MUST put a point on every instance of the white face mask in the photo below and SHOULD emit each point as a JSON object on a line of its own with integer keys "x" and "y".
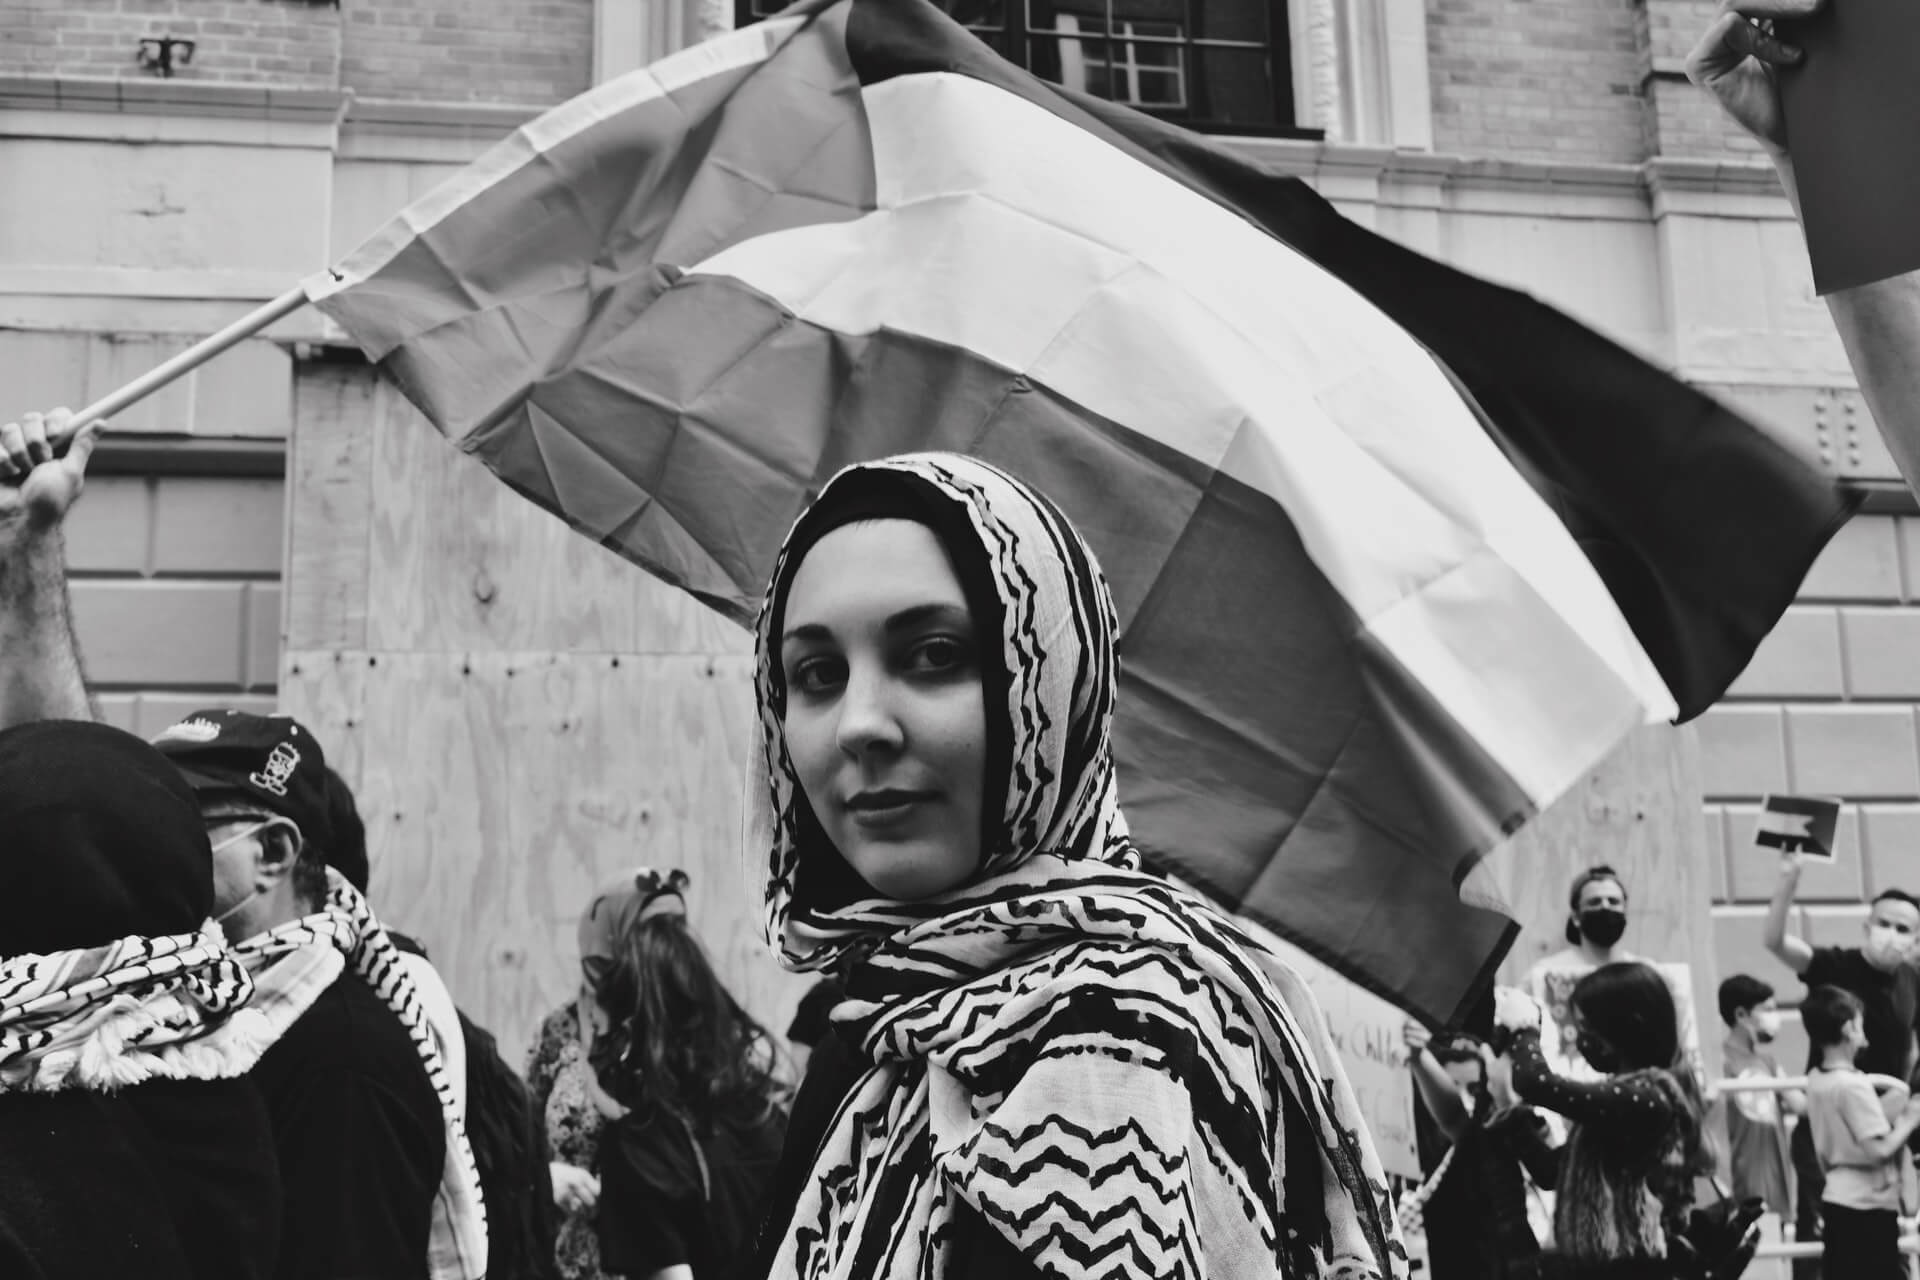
{"x": 1766, "y": 1024}
{"x": 1887, "y": 947}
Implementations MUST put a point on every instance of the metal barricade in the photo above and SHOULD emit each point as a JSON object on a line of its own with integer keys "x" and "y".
{"x": 1785, "y": 1250}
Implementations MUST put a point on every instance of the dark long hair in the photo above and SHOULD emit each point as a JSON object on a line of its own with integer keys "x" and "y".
{"x": 1630, "y": 1005}
{"x": 679, "y": 1042}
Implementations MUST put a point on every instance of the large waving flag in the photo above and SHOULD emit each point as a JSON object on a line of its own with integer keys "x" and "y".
{"x": 1399, "y": 554}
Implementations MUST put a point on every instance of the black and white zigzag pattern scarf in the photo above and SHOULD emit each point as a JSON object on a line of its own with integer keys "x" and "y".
{"x": 293, "y": 963}
{"x": 1095, "y": 1061}
{"x": 105, "y": 1017}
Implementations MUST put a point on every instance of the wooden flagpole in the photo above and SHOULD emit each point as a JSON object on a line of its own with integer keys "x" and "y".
{"x": 192, "y": 358}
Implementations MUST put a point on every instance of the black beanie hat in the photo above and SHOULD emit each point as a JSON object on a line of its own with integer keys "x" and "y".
{"x": 100, "y": 837}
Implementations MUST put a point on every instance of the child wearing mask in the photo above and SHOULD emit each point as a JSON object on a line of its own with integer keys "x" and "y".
{"x": 1756, "y": 1125}
{"x": 1880, "y": 973}
{"x": 1596, "y": 924}
{"x": 1859, "y": 1146}
{"x": 1635, "y": 1144}
{"x": 1474, "y": 1201}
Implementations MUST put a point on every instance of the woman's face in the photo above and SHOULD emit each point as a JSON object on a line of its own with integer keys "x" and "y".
{"x": 886, "y": 721}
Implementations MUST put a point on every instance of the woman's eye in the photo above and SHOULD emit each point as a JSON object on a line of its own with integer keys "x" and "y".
{"x": 814, "y": 675}
{"x": 941, "y": 654}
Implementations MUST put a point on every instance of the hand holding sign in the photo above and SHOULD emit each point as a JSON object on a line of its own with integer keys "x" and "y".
{"x": 1849, "y": 108}
{"x": 1801, "y": 826}
{"x": 1416, "y": 1037}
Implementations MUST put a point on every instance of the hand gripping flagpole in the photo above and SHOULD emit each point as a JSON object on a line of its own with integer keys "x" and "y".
{"x": 187, "y": 361}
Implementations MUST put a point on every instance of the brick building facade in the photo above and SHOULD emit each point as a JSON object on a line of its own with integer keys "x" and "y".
{"x": 1552, "y": 144}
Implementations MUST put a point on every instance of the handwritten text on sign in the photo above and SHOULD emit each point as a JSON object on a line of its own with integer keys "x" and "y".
{"x": 1369, "y": 1035}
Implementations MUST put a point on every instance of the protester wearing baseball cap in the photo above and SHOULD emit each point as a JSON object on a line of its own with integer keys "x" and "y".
{"x": 379, "y": 1179}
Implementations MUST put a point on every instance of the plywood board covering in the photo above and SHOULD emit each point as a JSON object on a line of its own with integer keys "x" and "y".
{"x": 1640, "y": 813}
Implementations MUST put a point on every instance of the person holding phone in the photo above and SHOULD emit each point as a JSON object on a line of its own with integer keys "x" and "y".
{"x": 1739, "y": 60}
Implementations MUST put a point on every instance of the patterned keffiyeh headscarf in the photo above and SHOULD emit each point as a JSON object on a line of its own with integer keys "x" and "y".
{"x": 1095, "y": 1061}
{"x": 293, "y": 963}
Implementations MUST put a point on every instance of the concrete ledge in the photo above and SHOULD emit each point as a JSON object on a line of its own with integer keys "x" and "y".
{"x": 445, "y": 132}
{"x": 1678, "y": 186}
{"x": 158, "y": 96}
{"x": 181, "y": 112}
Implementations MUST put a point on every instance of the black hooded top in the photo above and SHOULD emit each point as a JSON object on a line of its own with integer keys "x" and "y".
{"x": 100, "y": 838}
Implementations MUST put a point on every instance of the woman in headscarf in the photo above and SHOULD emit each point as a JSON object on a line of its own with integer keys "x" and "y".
{"x": 1048, "y": 1061}
{"x": 131, "y": 1144}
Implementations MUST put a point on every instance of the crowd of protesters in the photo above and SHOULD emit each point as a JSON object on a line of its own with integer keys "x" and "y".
{"x": 216, "y": 1061}
{"x": 1641, "y": 1149}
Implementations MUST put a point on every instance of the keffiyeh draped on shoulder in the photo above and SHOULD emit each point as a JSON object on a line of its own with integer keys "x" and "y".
{"x": 293, "y": 963}
{"x": 1095, "y": 1062}
{"x": 168, "y": 1008}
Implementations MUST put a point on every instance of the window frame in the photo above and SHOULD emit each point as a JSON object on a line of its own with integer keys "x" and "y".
{"x": 1014, "y": 38}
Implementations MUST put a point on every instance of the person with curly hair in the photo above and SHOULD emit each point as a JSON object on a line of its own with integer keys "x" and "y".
{"x": 662, "y": 1106}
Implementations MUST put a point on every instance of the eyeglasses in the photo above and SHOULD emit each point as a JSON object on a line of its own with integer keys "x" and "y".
{"x": 249, "y": 824}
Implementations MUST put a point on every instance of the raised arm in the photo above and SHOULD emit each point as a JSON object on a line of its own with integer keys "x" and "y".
{"x": 1630, "y": 1101}
{"x": 1794, "y": 952}
{"x": 1435, "y": 1087}
{"x": 40, "y": 672}
{"x": 1879, "y": 323}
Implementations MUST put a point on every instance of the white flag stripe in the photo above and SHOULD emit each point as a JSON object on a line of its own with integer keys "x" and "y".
{"x": 1785, "y": 824}
{"x": 730, "y": 52}
{"x": 1137, "y": 297}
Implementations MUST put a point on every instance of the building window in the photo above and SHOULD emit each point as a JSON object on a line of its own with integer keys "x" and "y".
{"x": 1225, "y": 66}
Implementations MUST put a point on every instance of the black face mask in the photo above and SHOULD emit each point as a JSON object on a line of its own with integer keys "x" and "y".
{"x": 1602, "y": 926}
{"x": 1598, "y": 1054}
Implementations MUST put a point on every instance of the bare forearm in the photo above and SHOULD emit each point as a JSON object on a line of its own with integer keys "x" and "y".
{"x": 1890, "y": 1144}
{"x": 1879, "y": 325}
{"x": 1792, "y": 951}
{"x": 40, "y": 673}
{"x": 1438, "y": 1093}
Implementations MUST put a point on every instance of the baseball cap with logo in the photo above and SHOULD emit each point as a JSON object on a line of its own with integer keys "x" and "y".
{"x": 268, "y": 761}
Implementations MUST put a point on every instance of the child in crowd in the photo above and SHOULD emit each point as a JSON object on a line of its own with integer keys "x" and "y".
{"x": 1859, "y": 1148}
{"x": 1762, "y": 1164}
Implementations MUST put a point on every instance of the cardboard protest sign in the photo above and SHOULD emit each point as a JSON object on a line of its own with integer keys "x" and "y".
{"x": 1798, "y": 824}
{"x": 1852, "y": 108}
